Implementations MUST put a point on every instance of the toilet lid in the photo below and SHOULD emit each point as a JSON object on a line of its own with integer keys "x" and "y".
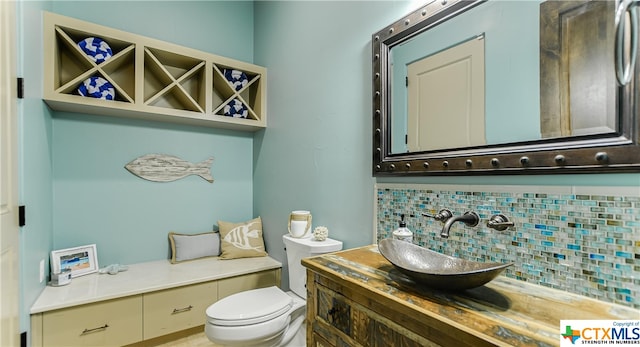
{"x": 250, "y": 307}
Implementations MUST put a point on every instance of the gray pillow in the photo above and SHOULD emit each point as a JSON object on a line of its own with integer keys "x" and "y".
{"x": 193, "y": 246}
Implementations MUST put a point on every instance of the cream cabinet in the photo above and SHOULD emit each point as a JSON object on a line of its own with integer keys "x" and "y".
{"x": 136, "y": 319}
{"x": 238, "y": 284}
{"x": 150, "y": 79}
{"x": 177, "y": 309}
{"x": 172, "y": 310}
{"x": 108, "y": 323}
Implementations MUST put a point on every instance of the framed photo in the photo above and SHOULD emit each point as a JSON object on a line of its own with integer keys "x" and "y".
{"x": 81, "y": 260}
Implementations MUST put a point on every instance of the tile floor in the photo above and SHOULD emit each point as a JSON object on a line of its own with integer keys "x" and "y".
{"x": 195, "y": 340}
{"x": 199, "y": 339}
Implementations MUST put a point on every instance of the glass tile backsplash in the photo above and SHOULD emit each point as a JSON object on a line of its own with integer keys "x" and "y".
{"x": 583, "y": 244}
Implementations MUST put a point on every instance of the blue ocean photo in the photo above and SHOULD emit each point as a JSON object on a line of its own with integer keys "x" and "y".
{"x": 76, "y": 261}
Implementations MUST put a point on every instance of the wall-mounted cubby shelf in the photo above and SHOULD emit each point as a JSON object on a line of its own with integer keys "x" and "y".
{"x": 151, "y": 79}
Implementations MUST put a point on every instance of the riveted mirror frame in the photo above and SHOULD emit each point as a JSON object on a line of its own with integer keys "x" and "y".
{"x": 579, "y": 154}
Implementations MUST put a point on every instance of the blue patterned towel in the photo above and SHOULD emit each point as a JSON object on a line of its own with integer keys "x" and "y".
{"x": 235, "y": 108}
{"x": 97, "y": 87}
{"x": 237, "y": 78}
{"x": 96, "y": 49}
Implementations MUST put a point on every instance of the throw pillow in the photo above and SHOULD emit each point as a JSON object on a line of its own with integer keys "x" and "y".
{"x": 193, "y": 246}
{"x": 241, "y": 240}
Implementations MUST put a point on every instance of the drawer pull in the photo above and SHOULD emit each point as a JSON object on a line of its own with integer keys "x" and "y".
{"x": 184, "y": 309}
{"x": 86, "y": 331}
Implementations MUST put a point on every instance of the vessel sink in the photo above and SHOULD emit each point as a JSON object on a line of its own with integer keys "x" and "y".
{"x": 438, "y": 270}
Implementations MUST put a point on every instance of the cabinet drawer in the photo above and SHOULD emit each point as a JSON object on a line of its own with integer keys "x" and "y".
{"x": 172, "y": 310}
{"x": 256, "y": 280}
{"x": 109, "y": 323}
{"x": 318, "y": 341}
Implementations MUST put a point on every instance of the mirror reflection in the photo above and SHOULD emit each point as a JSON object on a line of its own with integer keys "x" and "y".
{"x": 493, "y": 75}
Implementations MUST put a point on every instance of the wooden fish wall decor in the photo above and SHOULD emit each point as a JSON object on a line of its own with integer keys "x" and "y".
{"x": 167, "y": 168}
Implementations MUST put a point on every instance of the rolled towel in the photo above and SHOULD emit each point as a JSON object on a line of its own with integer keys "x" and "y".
{"x": 237, "y": 78}
{"x": 97, "y": 87}
{"x": 96, "y": 49}
{"x": 235, "y": 108}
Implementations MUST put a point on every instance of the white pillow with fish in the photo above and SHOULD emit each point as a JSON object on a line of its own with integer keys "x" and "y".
{"x": 241, "y": 240}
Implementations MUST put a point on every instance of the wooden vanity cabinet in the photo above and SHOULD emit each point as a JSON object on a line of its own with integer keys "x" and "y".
{"x": 340, "y": 316}
{"x": 356, "y": 297}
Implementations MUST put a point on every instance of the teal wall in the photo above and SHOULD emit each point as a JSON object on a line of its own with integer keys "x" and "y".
{"x": 73, "y": 179}
{"x": 96, "y": 200}
{"x": 220, "y": 27}
{"x": 316, "y": 151}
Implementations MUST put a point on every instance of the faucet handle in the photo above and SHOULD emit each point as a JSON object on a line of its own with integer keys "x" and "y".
{"x": 499, "y": 222}
{"x": 441, "y": 216}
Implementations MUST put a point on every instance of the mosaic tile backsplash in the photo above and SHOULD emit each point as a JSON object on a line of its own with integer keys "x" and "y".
{"x": 583, "y": 244}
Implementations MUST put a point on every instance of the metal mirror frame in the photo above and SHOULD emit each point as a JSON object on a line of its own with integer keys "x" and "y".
{"x": 580, "y": 154}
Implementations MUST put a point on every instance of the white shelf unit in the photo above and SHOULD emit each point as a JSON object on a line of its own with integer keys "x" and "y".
{"x": 152, "y": 79}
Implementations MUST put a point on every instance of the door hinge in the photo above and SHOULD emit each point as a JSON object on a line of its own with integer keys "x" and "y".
{"x": 406, "y": 81}
{"x": 20, "y": 88}
{"x": 21, "y": 215}
{"x": 406, "y": 139}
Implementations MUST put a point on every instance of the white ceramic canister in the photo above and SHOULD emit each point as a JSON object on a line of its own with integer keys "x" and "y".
{"x": 299, "y": 223}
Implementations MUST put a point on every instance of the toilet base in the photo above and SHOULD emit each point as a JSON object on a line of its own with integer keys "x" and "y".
{"x": 300, "y": 338}
{"x": 293, "y": 333}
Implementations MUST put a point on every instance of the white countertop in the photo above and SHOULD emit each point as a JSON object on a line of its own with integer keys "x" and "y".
{"x": 146, "y": 277}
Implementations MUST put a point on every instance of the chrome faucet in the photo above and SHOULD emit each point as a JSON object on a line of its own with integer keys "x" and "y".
{"x": 469, "y": 218}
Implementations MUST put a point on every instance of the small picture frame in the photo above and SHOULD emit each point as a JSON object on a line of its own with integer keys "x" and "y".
{"x": 81, "y": 260}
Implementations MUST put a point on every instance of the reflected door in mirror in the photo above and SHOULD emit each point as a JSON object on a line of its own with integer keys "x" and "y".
{"x": 446, "y": 98}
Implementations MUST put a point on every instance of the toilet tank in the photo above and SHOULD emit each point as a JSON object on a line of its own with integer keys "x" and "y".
{"x": 298, "y": 248}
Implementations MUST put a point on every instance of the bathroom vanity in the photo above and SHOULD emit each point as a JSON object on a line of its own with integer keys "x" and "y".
{"x": 357, "y": 298}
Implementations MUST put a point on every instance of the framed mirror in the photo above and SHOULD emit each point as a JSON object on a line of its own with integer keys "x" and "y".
{"x": 507, "y": 87}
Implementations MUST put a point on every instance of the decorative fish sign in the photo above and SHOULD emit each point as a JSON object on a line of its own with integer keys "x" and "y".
{"x": 167, "y": 168}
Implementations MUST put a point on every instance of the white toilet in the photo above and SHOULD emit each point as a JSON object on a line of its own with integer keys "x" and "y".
{"x": 268, "y": 316}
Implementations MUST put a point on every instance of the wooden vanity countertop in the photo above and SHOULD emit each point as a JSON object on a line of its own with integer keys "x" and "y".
{"x": 503, "y": 312}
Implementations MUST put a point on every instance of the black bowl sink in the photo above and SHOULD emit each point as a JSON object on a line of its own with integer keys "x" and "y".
{"x": 438, "y": 270}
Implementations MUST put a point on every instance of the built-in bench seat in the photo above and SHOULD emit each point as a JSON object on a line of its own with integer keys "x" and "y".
{"x": 147, "y": 301}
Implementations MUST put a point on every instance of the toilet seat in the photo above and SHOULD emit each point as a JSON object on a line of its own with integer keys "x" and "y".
{"x": 250, "y": 307}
